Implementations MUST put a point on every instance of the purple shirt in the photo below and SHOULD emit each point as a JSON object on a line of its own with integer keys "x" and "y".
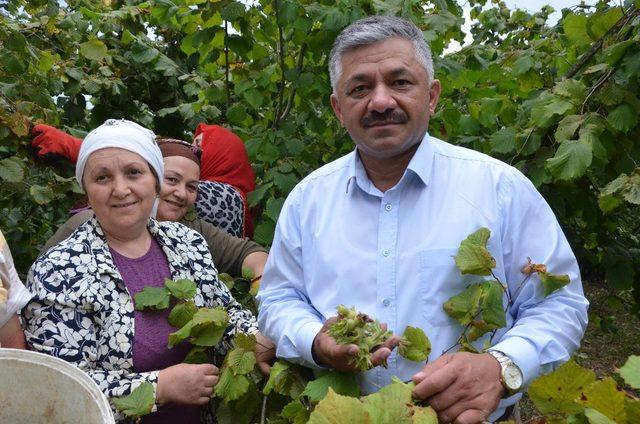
{"x": 151, "y": 335}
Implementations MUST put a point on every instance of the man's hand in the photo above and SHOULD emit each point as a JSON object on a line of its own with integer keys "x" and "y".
{"x": 265, "y": 353}
{"x": 462, "y": 387}
{"x": 329, "y": 353}
{"x": 51, "y": 141}
{"x": 186, "y": 384}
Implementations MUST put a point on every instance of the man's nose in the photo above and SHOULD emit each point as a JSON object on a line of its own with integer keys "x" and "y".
{"x": 382, "y": 99}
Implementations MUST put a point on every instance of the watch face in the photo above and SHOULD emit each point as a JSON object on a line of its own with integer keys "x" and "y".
{"x": 513, "y": 377}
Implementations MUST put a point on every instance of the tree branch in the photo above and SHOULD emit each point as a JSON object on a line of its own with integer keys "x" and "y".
{"x": 276, "y": 120}
{"x": 299, "y": 64}
{"x": 226, "y": 67}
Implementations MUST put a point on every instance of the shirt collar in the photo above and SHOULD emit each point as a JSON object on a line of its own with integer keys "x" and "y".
{"x": 420, "y": 165}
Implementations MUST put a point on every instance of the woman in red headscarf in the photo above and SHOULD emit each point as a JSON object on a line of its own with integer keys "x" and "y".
{"x": 225, "y": 179}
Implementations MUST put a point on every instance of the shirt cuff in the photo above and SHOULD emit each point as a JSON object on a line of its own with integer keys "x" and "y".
{"x": 304, "y": 342}
{"x": 523, "y": 354}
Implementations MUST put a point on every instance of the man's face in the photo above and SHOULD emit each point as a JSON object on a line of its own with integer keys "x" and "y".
{"x": 383, "y": 98}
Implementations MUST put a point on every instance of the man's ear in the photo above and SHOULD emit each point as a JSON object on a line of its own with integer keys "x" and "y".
{"x": 335, "y": 104}
{"x": 434, "y": 95}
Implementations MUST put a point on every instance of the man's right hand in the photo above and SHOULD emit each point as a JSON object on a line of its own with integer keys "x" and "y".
{"x": 51, "y": 141}
{"x": 327, "y": 352}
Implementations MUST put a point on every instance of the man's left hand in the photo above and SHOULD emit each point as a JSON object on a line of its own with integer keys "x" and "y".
{"x": 462, "y": 387}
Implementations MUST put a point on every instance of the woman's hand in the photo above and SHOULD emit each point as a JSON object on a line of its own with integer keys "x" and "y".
{"x": 186, "y": 384}
{"x": 265, "y": 353}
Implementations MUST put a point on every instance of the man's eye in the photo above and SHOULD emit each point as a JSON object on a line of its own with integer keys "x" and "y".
{"x": 358, "y": 89}
{"x": 401, "y": 83}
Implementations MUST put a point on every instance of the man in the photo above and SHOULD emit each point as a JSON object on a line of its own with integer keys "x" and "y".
{"x": 378, "y": 228}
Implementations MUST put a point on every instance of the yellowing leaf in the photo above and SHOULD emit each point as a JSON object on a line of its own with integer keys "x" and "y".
{"x": 596, "y": 417}
{"x": 340, "y": 382}
{"x": 389, "y": 404}
{"x": 94, "y": 50}
{"x": 337, "y": 409}
{"x": 605, "y": 397}
{"x": 152, "y": 298}
{"x": 414, "y": 344}
{"x": 630, "y": 372}
{"x": 551, "y": 282}
{"x": 557, "y": 393}
{"x": 230, "y": 386}
{"x": 241, "y": 361}
{"x": 138, "y": 403}
{"x": 424, "y": 415}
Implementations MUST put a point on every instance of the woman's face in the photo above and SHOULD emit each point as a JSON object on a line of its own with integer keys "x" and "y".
{"x": 179, "y": 188}
{"x": 121, "y": 189}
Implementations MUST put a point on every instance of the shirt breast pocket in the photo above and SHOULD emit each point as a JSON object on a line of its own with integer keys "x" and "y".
{"x": 440, "y": 279}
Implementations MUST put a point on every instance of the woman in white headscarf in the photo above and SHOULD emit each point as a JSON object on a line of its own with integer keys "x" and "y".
{"x": 83, "y": 309}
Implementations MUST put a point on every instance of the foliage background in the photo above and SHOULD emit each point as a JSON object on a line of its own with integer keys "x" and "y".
{"x": 558, "y": 102}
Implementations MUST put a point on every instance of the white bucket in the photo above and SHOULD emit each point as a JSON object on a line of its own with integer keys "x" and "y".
{"x": 37, "y": 389}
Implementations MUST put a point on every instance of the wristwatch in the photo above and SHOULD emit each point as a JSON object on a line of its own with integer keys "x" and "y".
{"x": 510, "y": 374}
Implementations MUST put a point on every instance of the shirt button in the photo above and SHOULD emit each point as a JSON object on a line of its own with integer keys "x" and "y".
{"x": 386, "y": 303}
{"x": 386, "y": 252}
{"x": 388, "y": 206}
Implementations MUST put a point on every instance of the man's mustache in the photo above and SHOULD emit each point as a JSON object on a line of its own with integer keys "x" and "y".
{"x": 392, "y": 116}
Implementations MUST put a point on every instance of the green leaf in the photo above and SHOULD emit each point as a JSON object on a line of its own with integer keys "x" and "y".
{"x": 504, "y": 140}
{"x": 197, "y": 355}
{"x": 575, "y": 28}
{"x": 480, "y": 306}
{"x": 296, "y": 412}
{"x": 254, "y": 98}
{"x": 94, "y": 50}
{"x": 237, "y": 114}
{"x": 551, "y": 282}
{"x": 571, "y": 89}
{"x": 41, "y": 194}
{"x": 596, "y": 417}
{"x": 138, "y": 403}
{"x": 414, "y": 344}
{"x": 556, "y": 393}
{"x": 342, "y": 383}
{"x": 256, "y": 196}
{"x": 209, "y": 325}
{"x": 227, "y": 280}
{"x": 600, "y": 22}
{"x": 522, "y": 65}
{"x": 337, "y": 409}
{"x": 614, "y": 53}
{"x": 284, "y": 379}
{"x": 182, "y": 313}
{"x": 245, "y": 341}
{"x": 180, "y": 335}
{"x": 632, "y": 408}
{"x": 473, "y": 256}
{"x": 11, "y": 170}
{"x": 273, "y": 207}
{"x": 567, "y": 127}
{"x": 182, "y": 289}
{"x": 389, "y": 404}
{"x": 623, "y": 118}
{"x": 630, "y": 372}
{"x": 571, "y": 160}
{"x": 231, "y": 387}
{"x": 241, "y": 361}
{"x": 143, "y": 54}
{"x": 152, "y": 297}
{"x": 605, "y": 397}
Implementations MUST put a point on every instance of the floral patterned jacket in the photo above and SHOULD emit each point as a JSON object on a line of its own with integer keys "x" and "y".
{"x": 83, "y": 313}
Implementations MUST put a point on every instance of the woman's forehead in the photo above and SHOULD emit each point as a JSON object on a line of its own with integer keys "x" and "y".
{"x": 113, "y": 155}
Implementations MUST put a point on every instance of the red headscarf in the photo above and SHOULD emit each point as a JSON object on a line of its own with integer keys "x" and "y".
{"x": 225, "y": 160}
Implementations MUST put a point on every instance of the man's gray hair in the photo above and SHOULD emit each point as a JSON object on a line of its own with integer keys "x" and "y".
{"x": 371, "y": 30}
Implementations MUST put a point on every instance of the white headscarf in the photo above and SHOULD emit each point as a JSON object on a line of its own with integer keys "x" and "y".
{"x": 126, "y": 135}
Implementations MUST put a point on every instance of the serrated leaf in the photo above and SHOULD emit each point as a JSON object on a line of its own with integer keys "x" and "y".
{"x": 182, "y": 313}
{"x": 295, "y": 412}
{"x": 337, "y": 409}
{"x": 571, "y": 160}
{"x": 245, "y": 341}
{"x": 197, "y": 355}
{"x": 414, "y": 344}
{"x": 522, "y": 65}
{"x": 284, "y": 380}
{"x": 503, "y": 140}
{"x": 575, "y": 28}
{"x": 209, "y": 325}
{"x": 632, "y": 409}
{"x": 182, "y": 289}
{"x": 138, "y": 403}
{"x": 473, "y": 256}
{"x": 551, "y": 282}
{"x": 227, "y": 280}
{"x": 180, "y": 335}
{"x": 341, "y": 383}
{"x": 143, "y": 54}
{"x": 153, "y": 298}
{"x": 274, "y": 206}
{"x": 389, "y": 404}
{"x": 424, "y": 415}
{"x": 254, "y": 98}
{"x": 241, "y": 361}
{"x": 256, "y": 196}
{"x": 596, "y": 417}
{"x": 41, "y": 194}
{"x": 623, "y": 118}
{"x": 94, "y": 50}
{"x": 556, "y": 393}
{"x": 605, "y": 397}
{"x": 600, "y": 22}
{"x": 614, "y": 53}
{"x": 231, "y": 387}
{"x": 237, "y": 114}
{"x": 567, "y": 127}
{"x": 479, "y": 306}
{"x": 11, "y": 170}
{"x": 630, "y": 372}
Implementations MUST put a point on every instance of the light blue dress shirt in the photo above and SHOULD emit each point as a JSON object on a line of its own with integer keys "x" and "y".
{"x": 340, "y": 240}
